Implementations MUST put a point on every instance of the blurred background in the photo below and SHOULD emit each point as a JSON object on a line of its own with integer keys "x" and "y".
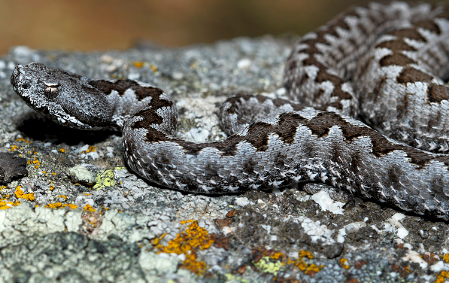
{"x": 119, "y": 24}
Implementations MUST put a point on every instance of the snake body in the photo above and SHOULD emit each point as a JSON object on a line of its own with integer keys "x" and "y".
{"x": 380, "y": 63}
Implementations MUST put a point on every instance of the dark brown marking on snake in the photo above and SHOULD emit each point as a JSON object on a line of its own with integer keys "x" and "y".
{"x": 396, "y": 59}
{"x": 411, "y": 75}
{"x": 363, "y": 29}
{"x": 288, "y": 125}
{"x": 381, "y": 146}
{"x": 121, "y": 86}
{"x": 150, "y": 116}
{"x": 377, "y": 90}
{"x": 107, "y": 87}
{"x": 395, "y": 45}
{"x": 436, "y": 120}
{"x": 410, "y": 33}
{"x": 429, "y": 25}
{"x": 434, "y": 58}
{"x": 437, "y": 93}
{"x": 364, "y": 68}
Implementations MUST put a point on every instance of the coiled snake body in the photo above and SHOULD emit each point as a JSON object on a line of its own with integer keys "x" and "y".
{"x": 383, "y": 63}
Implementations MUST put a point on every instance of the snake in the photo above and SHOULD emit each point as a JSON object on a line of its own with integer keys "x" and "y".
{"x": 367, "y": 113}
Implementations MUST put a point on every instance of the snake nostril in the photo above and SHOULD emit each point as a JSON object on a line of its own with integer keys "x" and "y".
{"x": 26, "y": 85}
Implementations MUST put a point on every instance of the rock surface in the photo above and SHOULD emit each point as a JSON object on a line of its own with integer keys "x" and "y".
{"x": 57, "y": 224}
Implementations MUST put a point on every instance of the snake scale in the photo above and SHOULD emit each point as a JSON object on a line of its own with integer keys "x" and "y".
{"x": 384, "y": 64}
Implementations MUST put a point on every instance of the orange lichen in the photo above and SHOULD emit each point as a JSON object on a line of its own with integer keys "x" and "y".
{"x": 5, "y": 204}
{"x": 188, "y": 243}
{"x": 35, "y": 162}
{"x": 138, "y": 64}
{"x": 277, "y": 255}
{"x": 20, "y": 195}
{"x": 13, "y": 148}
{"x": 309, "y": 269}
{"x": 90, "y": 149}
{"x": 56, "y": 205}
{"x": 344, "y": 263}
{"x": 47, "y": 173}
{"x": 304, "y": 253}
{"x": 62, "y": 150}
{"x": 442, "y": 276}
{"x": 446, "y": 258}
{"x": 154, "y": 68}
{"x": 89, "y": 208}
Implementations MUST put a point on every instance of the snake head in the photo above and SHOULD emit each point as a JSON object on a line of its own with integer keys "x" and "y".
{"x": 64, "y": 97}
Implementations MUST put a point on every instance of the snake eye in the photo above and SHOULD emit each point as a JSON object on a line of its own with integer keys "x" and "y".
{"x": 51, "y": 90}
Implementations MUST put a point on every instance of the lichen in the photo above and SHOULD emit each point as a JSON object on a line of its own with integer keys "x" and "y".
{"x": 344, "y": 263}
{"x": 104, "y": 179}
{"x": 266, "y": 265}
{"x": 20, "y": 195}
{"x": 89, "y": 208}
{"x": 188, "y": 243}
{"x": 441, "y": 278}
{"x": 60, "y": 205}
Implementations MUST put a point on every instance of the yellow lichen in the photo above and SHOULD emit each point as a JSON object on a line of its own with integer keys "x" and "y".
{"x": 267, "y": 266}
{"x": 234, "y": 278}
{"x": 188, "y": 243}
{"x": 104, "y": 179}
